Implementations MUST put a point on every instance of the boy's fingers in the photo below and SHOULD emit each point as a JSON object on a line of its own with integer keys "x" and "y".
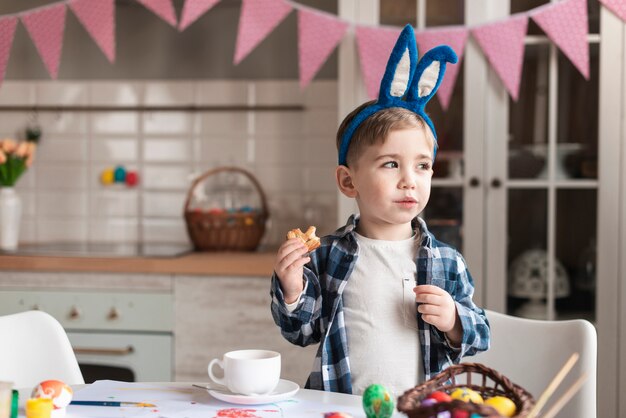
{"x": 293, "y": 256}
{"x": 428, "y": 298}
{"x": 299, "y": 263}
{"x": 289, "y": 246}
{"x": 428, "y": 289}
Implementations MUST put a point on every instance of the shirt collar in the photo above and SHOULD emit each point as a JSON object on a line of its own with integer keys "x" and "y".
{"x": 418, "y": 225}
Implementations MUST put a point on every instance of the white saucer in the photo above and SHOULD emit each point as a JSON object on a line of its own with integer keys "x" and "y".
{"x": 285, "y": 390}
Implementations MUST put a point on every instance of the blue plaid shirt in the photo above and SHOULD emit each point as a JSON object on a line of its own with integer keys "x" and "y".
{"x": 319, "y": 317}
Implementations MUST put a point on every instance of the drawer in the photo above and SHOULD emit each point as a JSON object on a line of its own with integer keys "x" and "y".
{"x": 96, "y": 311}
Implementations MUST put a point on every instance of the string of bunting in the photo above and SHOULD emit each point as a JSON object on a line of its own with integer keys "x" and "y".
{"x": 564, "y": 22}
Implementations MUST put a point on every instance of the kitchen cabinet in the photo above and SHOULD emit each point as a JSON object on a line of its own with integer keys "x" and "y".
{"x": 155, "y": 327}
{"x": 531, "y": 192}
{"x": 219, "y": 314}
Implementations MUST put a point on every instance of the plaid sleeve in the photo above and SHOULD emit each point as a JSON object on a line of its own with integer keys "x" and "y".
{"x": 476, "y": 331}
{"x": 302, "y": 325}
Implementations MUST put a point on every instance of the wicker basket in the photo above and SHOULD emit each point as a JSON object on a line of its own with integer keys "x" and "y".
{"x": 226, "y": 230}
{"x": 478, "y": 377}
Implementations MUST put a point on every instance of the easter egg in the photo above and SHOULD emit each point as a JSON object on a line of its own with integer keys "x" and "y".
{"x": 440, "y": 396}
{"x": 460, "y": 414}
{"x": 119, "y": 175}
{"x": 444, "y": 414}
{"x": 467, "y": 395}
{"x": 58, "y": 392}
{"x": 107, "y": 176}
{"x": 503, "y": 405}
{"x": 132, "y": 178}
{"x": 337, "y": 415}
{"x": 428, "y": 402}
{"x": 377, "y": 402}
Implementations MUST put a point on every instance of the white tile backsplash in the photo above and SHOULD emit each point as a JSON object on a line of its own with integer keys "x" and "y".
{"x": 291, "y": 153}
{"x": 167, "y": 150}
{"x": 115, "y": 122}
{"x": 111, "y": 203}
{"x": 163, "y": 204}
{"x": 62, "y": 148}
{"x": 114, "y": 150}
{"x": 114, "y": 230}
{"x": 166, "y": 123}
{"x": 68, "y": 204}
{"x": 165, "y": 230}
{"x": 116, "y": 93}
{"x": 62, "y": 177}
{"x": 161, "y": 177}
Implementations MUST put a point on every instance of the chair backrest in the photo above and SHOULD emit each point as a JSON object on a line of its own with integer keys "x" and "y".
{"x": 531, "y": 352}
{"x": 35, "y": 348}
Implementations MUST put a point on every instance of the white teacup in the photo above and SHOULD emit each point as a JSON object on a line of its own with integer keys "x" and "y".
{"x": 248, "y": 372}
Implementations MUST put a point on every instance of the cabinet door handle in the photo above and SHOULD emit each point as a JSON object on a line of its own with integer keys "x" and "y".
{"x": 496, "y": 183}
{"x": 474, "y": 182}
{"x": 74, "y": 313}
{"x": 105, "y": 351}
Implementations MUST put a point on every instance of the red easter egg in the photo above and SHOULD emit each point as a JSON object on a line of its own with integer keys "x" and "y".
{"x": 440, "y": 396}
{"x": 132, "y": 178}
{"x": 460, "y": 414}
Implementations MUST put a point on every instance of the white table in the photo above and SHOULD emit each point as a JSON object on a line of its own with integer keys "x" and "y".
{"x": 317, "y": 402}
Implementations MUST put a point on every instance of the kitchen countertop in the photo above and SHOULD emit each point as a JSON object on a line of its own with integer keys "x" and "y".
{"x": 192, "y": 263}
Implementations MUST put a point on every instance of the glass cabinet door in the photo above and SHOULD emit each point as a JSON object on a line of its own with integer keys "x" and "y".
{"x": 551, "y": 184}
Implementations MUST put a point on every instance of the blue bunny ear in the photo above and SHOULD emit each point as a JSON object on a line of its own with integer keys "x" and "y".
{"x": 429, "y": 74}
{"x": 400, "y": 67}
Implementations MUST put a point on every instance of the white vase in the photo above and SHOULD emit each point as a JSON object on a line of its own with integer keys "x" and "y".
{"x": 10, "y": 218}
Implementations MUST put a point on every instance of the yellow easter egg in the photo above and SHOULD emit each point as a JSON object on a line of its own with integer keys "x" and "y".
{"x": 467, "y": 395}
{"x": 503, "y": 405}
{"x": 107, "y": 176}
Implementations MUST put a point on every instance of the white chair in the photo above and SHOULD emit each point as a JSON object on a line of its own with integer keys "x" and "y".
{"x": 531, "y": 352}
{"x": 35, "y": 348}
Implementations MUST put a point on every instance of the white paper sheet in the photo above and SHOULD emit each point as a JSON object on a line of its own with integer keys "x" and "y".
{"x": 176, "y": 401}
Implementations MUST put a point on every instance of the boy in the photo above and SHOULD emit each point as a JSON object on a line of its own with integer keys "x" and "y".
{"x": 388, "y": 302}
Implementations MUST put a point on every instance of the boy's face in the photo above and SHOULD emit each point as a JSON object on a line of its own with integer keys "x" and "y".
{"x": 391, "y": 181}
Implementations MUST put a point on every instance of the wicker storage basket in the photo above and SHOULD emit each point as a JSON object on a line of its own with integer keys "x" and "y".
{"x": 226, "y": 229}
{"x": 478, "y": 377}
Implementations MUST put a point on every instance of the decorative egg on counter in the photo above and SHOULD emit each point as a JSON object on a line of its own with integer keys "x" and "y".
{"x": 377, "y": 402}
{"x": 59, "y": 392}
{"x": 467, "y": 395}
{"x": 119, "y": 174}
{"x": 337, "y": 415}
{"x": 440, "y": 396}
{"x": 503, "y": 405}
{"x": 132, "y": 178}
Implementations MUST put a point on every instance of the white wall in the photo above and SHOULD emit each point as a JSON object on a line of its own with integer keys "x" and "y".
{"x": 291, "y": 153}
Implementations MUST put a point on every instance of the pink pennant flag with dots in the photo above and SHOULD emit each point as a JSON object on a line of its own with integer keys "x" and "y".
{"x": 503, "y": 45}
{"x": 374, "y": 46}
{"x": 456, "y": 38}
{"x": 7, "y": 31}
{"x": 566, "y": 25}
{"x": 192, "y": 10}
{"x": 98, "y": 18}
{"x": 616, "y": 6}
{"x": 162, "y": 8}
{"x": 257, "y": 19}
{"x": 45, "y": 27}
{"x": 318, "y": 36}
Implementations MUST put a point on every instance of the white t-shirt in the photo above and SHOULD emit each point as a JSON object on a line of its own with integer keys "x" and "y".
{"x": 380, "y": 316}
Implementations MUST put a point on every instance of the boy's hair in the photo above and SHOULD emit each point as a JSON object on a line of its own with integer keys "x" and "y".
{"x": 377, "y": 127}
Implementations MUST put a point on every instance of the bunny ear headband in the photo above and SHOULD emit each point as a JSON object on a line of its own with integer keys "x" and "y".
{"x": 407, "y": 83}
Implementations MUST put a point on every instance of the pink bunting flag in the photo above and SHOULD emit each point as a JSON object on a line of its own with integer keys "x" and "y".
{"x": 503, "y": 44}
{"x": 616, "y": 6}
{"x": 7, "y": 31}
{"x": 256, "y": 20}
{"x": 318, "y": 35}
{"x": 98, "y": 18}
{"x": 456, "y": 38}
{"x": 45, "y": 27}
{"x": 162, "y": 8}
{"x": 192, "y": 10}
{"x": 374, "y": 46}
{"x": 566, "y": 25}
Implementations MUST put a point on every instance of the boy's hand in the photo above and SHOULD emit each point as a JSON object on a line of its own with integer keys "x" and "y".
{"x": 289, "y": 268}
{"x": 438, "y": 309}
